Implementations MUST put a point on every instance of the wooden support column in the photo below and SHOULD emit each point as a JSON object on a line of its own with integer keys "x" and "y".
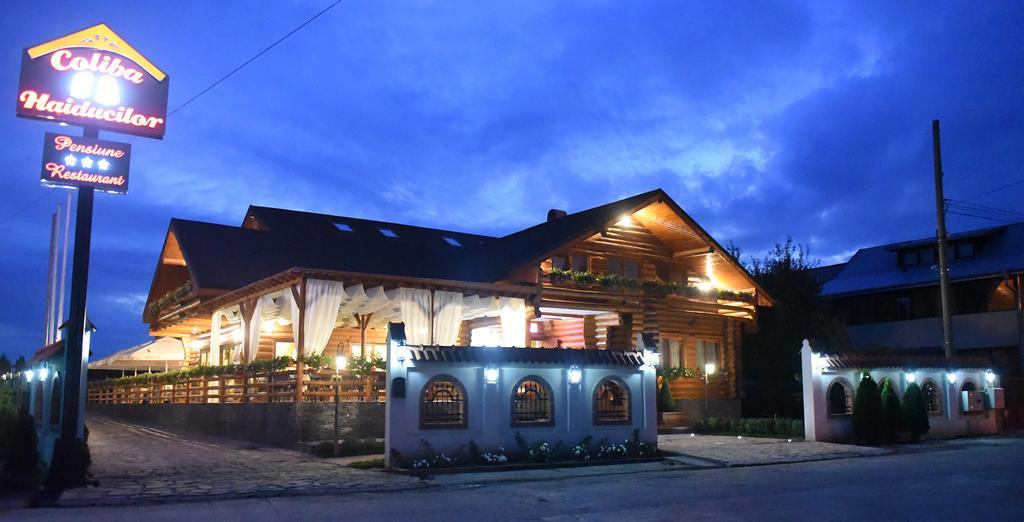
{"x": 248, "y": 309}
{"x": 299, "y": 293}
{"x": 363, "y": 321}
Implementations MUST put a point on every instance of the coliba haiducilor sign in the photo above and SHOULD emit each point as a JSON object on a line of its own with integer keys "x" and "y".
{"x": 93, "y": 78}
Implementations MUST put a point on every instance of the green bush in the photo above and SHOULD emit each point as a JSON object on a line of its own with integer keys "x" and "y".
{"x": 892, "y": 412}
{"x": 21, "y": 456}
{"x": 757, "y": 427}
{"x": 867, "y": 411}
{"x": 665, "y": 400}
{"x": 915, "y": 411}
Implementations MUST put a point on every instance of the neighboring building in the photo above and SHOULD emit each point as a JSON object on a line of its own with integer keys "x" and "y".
{"x": 888, "y": 297}
{"x": 589, "y": 280}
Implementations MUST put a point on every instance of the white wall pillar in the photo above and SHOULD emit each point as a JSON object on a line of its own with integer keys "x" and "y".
{"x": 813, "y": 405}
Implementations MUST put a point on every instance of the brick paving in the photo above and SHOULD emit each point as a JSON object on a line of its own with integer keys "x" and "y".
{"x": 720, "y": 450}
{"x": 134, "y": 463}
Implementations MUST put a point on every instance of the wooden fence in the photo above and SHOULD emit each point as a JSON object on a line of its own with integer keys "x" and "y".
{"x": 274, "y": 386}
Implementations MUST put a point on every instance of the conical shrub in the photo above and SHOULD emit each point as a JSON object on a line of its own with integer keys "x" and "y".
{"x": 915, "y": 411}
{"x": 892, "y": 412}
{"x": 867, "y": 411}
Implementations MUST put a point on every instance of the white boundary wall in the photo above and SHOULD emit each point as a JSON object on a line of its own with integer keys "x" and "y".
{"x": 819, "y": 425}
{"x": 489, "y": 407}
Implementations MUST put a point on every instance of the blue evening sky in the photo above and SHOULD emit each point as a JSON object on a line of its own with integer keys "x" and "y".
{"x": 762, "y": 119}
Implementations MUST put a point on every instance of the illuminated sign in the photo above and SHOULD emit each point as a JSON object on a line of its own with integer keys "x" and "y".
{"x": 93, "y": 78}
{"x": 73, "y": 161}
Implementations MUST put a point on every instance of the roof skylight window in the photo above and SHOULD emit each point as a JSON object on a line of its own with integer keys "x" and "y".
{"x": 387, "y": 232}
{"x": 342, "y": 227}
{"x": 452, "y": 241}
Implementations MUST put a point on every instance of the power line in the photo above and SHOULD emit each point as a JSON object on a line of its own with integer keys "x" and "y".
{"x": 26, "y": 207}
{"x": 983, "y": 209}
{"x": 254, "y": 57}
{"x": 966, "y": 214}
{"x": 1001, "y": 187}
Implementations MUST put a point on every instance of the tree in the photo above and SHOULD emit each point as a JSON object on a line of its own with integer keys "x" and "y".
{"x": 20, "y": 364}
{"x": 892, "y": 411}
{"x": 915, "y": 411}
{"x": 867, "y": 411}
{"x": 771, "y": 356}
{"x": 21, "y": 456}
{"x": 5, "y": 364}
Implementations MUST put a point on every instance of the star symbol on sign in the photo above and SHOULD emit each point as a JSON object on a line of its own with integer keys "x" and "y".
{"x": 103, "y": 164}
{"x": 70, "y": 160}
{"x": 87, "y": 162}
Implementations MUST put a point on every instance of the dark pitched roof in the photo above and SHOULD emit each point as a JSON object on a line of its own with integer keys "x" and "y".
{"x": 824, "y": 274}
{"x": 876, "y": 268}
{"x": 861, "y": 360}
{"x": 525, "y": 246}
{"x": 554, "y": 356}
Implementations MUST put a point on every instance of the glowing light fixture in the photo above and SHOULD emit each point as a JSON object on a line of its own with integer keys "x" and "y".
{"x": 575, "y": 374}
{"x": 911, "y": 377}
{"x": 268, "y": 327}
{"x": 951, "y": 377}
{"x": 70, "y": 160}
{"x": 491, "y": 375}
{"x": 43, "y": 374}
{"x": 29, "y": 375}
{"x": 340, "y": 362}
{"x": 281, "y": 321}
{"x": 652, "y": 358}
{"x": 624, "y": 220}
{"x": 990, "y": 377}
{"x": 709, "y": 368}
{"x": 107, "y": 91}
{"x": 81, "y": 85}
{"x": 704, "y": 286}
{"x": 237, "y": 335}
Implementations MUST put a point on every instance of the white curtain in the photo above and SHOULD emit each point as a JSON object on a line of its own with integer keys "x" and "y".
{"x": 214, "y": 359}
{"x": 323, "y": 298}
{"x": 513, "y": 321}
{"x": 415, "y": 309}
{"x": 447, "y": 317}
{"x": 252, "y": 329}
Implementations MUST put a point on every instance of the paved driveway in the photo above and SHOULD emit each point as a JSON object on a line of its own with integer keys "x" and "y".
{"x": 749, "y": 451}
{"x": 137, "y": 463}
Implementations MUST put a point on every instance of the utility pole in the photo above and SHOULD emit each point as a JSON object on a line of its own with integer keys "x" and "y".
{"x": 940, "y": 216}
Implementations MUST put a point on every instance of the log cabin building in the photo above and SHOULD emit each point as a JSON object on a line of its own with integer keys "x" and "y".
{"x": 295, "y": 284}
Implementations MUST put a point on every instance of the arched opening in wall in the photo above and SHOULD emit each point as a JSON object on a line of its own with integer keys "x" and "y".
{"x": 532, "y": 403}
{"x": 56, "y": 397}
{"x": 611, "y": 402}
{"x": 932, "y": 397}
{"x": 443, "y": 404}
{"x": 840, "y": 398}
{"x": 967, "y": 404}
{"x": 968, "y": 386}
{"x": 37, "y": 407}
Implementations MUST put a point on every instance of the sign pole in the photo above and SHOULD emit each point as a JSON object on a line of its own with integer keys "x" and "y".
{"x": 68, "y": 464}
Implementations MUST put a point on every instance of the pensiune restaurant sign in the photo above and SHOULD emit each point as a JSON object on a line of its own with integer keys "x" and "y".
{"x": 73, "y": 161}
{"x": 93, "y": 78}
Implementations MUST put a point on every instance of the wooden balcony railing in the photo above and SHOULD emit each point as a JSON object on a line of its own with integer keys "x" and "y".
{"x": 270, "y": 386}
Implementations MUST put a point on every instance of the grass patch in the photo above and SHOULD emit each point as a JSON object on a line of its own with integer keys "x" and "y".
{"x": 368, "y": 464}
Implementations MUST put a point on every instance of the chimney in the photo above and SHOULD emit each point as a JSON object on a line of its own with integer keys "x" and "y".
{"x": 555, "y": 213}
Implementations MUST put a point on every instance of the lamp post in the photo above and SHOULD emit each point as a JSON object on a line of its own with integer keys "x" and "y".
{"x": 709, "y": 369}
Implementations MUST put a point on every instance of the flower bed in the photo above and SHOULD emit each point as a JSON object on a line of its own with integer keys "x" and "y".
{"x": 652, "y": 287}
{"x": 538, "y": 453}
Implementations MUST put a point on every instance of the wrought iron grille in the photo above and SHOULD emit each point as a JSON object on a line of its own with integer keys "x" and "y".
{"x": 611, "y": 402}
{"x": 931, "y": 394}
{"x": 531, "y": 403}
{"x": 443, "y": 404}
{"x": 838, "y": 399}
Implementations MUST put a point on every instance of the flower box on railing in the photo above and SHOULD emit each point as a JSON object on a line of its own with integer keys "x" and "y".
{"x": 648, "y": 287}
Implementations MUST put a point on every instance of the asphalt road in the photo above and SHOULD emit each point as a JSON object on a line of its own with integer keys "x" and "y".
{"x": 981, "y": 480}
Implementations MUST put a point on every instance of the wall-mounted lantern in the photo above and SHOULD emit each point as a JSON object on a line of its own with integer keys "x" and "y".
{"x": 491, "y": 374}
{"x": 575, "y": 374}
{"x": 911, "y": 377}
{"x": 951, "y": 377}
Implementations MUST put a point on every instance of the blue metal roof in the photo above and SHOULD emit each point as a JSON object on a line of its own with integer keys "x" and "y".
{"x": 876, "y": 268}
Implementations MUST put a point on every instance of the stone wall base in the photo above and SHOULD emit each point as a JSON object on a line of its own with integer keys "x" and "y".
{"x": 276, "y": 424}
